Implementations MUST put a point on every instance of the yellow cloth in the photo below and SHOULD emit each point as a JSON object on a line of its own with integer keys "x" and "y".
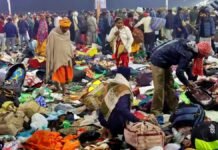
{"x": 121, "y": 49}
{"x": 135, "y": 47}
{"x": 65, "y": 22}
{"x": 94, "y": 85}
{"x": 41, "y": 49}
{"x": 92, "y": 52}
{"x": 41, "y": 59}
{"x": 6, "y": 104}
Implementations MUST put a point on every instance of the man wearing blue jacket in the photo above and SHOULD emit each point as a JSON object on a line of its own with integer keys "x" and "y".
{"x": 178, "y": 52}
{"x": 23, "y": 30}
{"x": 206, "y": 26}
{"x": 180, "y": 25}
{"x": 169, "y": 25}
{"x": 11, "y": 34}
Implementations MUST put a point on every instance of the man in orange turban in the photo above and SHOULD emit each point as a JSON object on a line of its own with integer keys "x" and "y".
{"x": 59, "y": 56}
{"x": 65, "y": 24}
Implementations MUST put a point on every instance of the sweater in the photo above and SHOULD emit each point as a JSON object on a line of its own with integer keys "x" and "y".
{"x": 207, "y": 27}
{"x": 23, "y": 27}
{"x": 146, "y": 21}
{"x": 59, "y": 51}
{"x": 174, "y": 53}
{"x": 125, "y": 35}
{"x": 119, "y": 117}
{"x": 92, "y": 24}
{"x": 10, "y": 30}
{"x": 169, "y": 21}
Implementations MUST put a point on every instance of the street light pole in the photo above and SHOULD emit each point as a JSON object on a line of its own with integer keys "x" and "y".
{"x": 9, "y": 6}
{"x": 167, "y": 4}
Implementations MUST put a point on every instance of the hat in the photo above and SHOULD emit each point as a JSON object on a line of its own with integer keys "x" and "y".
{"x": 65, "y": 22}
{"x": 205, "y": 49}
{"x": 139, "y": 10}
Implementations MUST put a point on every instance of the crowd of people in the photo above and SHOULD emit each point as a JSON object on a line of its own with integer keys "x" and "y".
{"x": 87, "y": 27}
{"x": 189, "y": 36}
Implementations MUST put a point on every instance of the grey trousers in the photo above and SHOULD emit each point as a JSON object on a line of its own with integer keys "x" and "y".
{"x": 10, "y": 43}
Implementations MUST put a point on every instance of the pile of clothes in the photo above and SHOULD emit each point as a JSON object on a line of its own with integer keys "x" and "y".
{"x": 31, "y": 112}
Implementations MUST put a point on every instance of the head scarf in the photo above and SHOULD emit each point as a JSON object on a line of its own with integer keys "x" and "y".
{"x": 146, "y": 14}
{"x": 65, "y": 22}
{"x": 204, "y": 50}
{"x": 75, "y": 17}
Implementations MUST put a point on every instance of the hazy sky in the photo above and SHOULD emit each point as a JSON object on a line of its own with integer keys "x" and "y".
{"x": 65, "y": 5}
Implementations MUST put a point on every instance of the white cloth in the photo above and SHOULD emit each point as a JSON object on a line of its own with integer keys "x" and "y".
{"x": 146, "y": 21}
{"x": 125, "y": 35}
{"x": 119, "y": 79}
{"x": 31, "y": 79}
{"x": 38, "y": 121}
{"x": 2, "y": 41}
{"x": 56, "y": 21}
{"x": 172, "y": 146}
{"x": 202, "y": 39}
{"x": 169, "y": 34}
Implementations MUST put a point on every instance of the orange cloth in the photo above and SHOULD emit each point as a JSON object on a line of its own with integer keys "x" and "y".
{"x": 63, "y": 75}
{"x": 47, "y": 140}
{"x": 65, "y": 22}
{"x": 44, "y": 140}
{"x": 71, "y": 145}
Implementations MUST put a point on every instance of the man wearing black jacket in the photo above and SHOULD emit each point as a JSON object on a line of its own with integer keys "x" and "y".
{"x": 176, "y": 52}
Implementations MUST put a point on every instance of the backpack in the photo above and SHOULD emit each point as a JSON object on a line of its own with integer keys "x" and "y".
{"x": 157, "y": 23}
{"x": 144, "y": 135}
{"x": 205, "y": 136}
{"x": 187, "y": 115}
{"x": 201, "y": 97}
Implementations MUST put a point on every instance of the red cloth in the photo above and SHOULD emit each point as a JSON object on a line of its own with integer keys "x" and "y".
{"x": 1, "y": 27}
{"x": 123, "y": 59}
{"x": 129, "y": 23}
{"x": 146, "y": 14}
{"x": 204, "y": 50}
{"x": 83, "y": 38}
{"x": 35, "y": 64}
